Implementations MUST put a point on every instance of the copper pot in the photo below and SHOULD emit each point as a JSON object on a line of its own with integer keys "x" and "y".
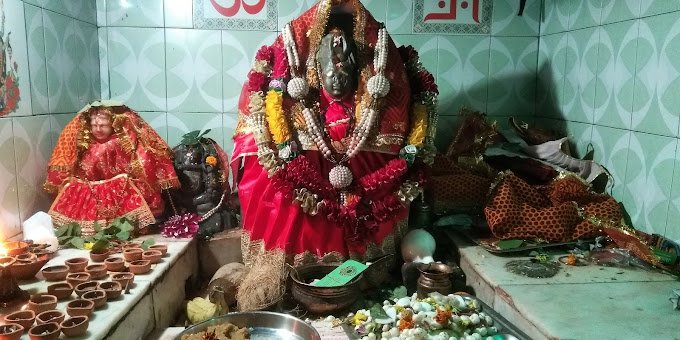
{"x": 322, "y": 300}
{"x": 434, "y": 277}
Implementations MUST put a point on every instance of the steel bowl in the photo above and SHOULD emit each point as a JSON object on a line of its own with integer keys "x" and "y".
{"x": 261, "y": 325}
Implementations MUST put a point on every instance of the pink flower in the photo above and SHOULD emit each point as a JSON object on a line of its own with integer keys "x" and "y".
{"x": 425, "y": 82}
{"x": 264, "y": 53}
{"x": 280, "y": 69}
{"x": 181, "y": 226}
{"x": 256, "y": 81}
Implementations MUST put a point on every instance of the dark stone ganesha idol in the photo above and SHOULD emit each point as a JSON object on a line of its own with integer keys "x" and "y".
{"x": 201, "y": 168}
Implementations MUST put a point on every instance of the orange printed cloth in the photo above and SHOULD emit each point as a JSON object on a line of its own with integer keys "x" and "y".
{"x": 562, "y": 211}
{"x": 82, "y": 171}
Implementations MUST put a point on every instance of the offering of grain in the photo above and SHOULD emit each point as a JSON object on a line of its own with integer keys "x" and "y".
{"x": 224, "y": 331}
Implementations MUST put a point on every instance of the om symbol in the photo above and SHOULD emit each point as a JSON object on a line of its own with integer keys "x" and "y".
{"x": 231, "y": 11}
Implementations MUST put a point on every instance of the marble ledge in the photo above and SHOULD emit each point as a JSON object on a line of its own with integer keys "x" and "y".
{"x": 588, "y": 302}
{"x": 151, "y": 297}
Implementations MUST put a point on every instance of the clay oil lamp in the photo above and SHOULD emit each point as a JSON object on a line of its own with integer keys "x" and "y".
{"x": 154, "y": 256}
{"x": 11, "y": 331}
{"x": 25, "y": 318}
{"x": 115, "y": 264}
{"x": 75, "y": 326}
{"x": 125, "y": 279}
{"x": 50, "y": 316}
{"x": 42, "y": 302}
{"x": 132, "y": 245}
{"x": 140, "y": 267}
{"x": 27, "y": 265}
{"x": 163, "y": 248}
{"x": 96, "y": 271}
{"x": 26, "y": 257}
{"x": 36, "y": 248}
{"x": 46, "y": 331}
{"x": 80, "y": 307}
{"x": 55, "y": 273}
{"x": 10, "y": 292}
{"x": 113, "y": 289}
{"x": 76, "y": 278}
{"x": 40, "y": 250}
{"x": 97, "y": 296}
{"x": 132, "y": 254}
{"x": 85, "y": 287}
{"x": 14, "y": 248}
{"x": 61, "y": 290}
{"x": 99, "y": 255}
{"x": 76, "y": 264}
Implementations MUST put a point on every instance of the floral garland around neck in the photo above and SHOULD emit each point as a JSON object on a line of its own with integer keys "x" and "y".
{"x": 360, "y": 207}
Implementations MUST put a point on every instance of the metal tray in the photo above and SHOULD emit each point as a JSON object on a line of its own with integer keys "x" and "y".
{"x": 262, "y": 325}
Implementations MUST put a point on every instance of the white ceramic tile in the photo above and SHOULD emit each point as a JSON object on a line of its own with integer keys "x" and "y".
{"x": 32, "y": 147}
{"x": 101, "y": 12}
{"x": 178, "y": 13}
{"x": 194, "y": 70}
{"x": 136, "y": 58}
{"x": 10, "y": 222}
{"x": 134, "y": 13}
{"x": 36, "y": 59}
{"x": 103, "y": 38}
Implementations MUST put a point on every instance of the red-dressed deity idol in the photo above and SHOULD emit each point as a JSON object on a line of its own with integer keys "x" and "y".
{"x": 334, "y": 124}
{"x": 109, "y": 163}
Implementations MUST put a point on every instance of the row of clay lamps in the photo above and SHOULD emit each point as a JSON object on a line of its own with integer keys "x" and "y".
{"x": 50, "y": 322}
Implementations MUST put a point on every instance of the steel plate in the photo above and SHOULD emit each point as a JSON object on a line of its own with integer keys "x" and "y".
{"x": 261, "y": 325}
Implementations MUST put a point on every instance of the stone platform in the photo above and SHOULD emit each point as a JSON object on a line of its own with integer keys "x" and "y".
{"x": 586, "y": 302}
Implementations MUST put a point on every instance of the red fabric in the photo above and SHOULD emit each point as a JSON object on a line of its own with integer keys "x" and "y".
{"x": 336, "y": 112}
{"x": 268, "y": 216}
{"x": 100, "y": 200}
{"x": 106, "y": 160}
{"x": 123, "y": 176}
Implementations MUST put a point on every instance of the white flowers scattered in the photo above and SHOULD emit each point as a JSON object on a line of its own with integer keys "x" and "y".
{"x": 466, "y": 322}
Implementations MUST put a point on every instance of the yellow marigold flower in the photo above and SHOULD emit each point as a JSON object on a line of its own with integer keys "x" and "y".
{"x": 359, "y": 318}
{"x": 88, "y": 245}
{"x": 211, "y": 160}
{"x": 276, "y": 118}
{"x": 419, "y": 129}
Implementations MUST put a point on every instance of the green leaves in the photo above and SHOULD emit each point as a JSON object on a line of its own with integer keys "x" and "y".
{"x": 193, "y": 137}
{"x": 148, "y": 243}
{"x": 509, "y": 244}
{"x": 100, "y": 245}
{"x": 69, "y": 235}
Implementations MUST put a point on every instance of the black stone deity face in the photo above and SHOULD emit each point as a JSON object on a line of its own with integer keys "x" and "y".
{"x": 337, "y": 63}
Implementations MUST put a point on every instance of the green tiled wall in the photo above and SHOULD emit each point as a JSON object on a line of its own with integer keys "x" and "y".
{"x": 611, "y": 69}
